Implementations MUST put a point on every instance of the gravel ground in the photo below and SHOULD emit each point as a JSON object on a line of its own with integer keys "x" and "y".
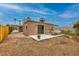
{"x": 17, "y": 44}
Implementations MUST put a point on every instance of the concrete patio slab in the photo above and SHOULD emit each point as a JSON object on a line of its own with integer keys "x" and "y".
{"x": 44, "y": 36}
{"x": 15, "y": 31}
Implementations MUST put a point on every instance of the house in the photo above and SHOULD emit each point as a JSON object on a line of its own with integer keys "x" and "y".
{"x": 17, "y": 26}
{"x": 31, "y": 27}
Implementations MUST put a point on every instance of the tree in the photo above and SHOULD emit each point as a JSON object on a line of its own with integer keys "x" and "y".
{"x": 76, "y": 27}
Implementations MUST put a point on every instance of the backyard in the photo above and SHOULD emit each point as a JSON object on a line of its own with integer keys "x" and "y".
{"x": 20, "y": 45}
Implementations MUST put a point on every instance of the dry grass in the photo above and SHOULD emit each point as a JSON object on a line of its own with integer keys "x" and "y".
{"x": 18, "y": 44}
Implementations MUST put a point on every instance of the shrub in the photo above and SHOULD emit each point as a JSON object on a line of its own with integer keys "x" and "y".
{"x": 76, "y": 27}
{"x": 67, "y": 31}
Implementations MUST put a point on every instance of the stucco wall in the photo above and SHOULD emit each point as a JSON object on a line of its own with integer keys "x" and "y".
{"x": 48, "y": 29}
{"x": 32, "y": 28}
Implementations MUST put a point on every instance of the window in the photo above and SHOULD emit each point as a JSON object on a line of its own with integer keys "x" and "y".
{"x": 41, "y": 29}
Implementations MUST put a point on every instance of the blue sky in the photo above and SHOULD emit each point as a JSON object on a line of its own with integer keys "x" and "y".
{"x": 62, "y": 14}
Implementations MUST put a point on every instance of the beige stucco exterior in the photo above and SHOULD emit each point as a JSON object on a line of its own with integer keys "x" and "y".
{"x": 31, "y": 28}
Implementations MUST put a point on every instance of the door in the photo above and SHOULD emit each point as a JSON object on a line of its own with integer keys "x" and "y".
{"x": 40, "y": 29}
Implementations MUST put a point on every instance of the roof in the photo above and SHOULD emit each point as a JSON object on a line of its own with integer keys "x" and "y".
{"x": 38, "y": 22}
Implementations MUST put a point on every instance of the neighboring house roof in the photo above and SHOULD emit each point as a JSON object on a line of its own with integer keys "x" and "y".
{"x": 38, "y": 22}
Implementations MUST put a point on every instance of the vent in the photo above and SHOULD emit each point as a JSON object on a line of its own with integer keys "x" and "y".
{"x": 42, "y": 20}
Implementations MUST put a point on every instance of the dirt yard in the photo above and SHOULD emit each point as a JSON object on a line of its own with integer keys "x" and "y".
{"x": 19, "y": 45}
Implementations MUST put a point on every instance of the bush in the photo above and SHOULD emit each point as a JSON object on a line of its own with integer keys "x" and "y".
{"x": 67, "y": 31}
{"x": 76, "y": 27}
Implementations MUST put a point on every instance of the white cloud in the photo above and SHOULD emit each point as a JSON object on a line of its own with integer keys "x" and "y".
{"x": 11, "y": 6}
{"x": 67, "y": 15}
{"x": 70, "y": 12}
{"x": 38, "y": 11}
{"x": 45, "y": 12}
{"x": 15, "y": 7}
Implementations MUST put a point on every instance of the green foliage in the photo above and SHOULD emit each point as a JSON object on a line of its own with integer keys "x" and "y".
{"x": 76, "y": 25}
{"x": 67, "y": 31}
